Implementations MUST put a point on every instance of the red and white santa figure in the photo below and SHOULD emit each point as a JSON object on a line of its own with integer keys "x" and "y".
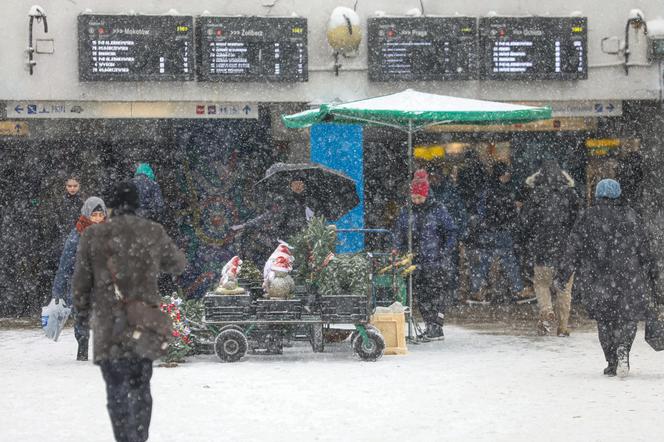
{"x": 277, "y": 281}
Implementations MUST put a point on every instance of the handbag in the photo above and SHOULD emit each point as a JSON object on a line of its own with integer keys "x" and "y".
{"x": 655, "y": 333}
{"x": 147, "y": 330}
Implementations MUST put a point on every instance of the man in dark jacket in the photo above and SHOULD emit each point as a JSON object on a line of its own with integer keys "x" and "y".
{"x": 139, "y": 250}
{"x": 149, "y": 193}
{"x": 548, "y": 216}
{"x": 434, "y": 238}
{"x": 496, "y": 217}
{"x": 614, "y": 272}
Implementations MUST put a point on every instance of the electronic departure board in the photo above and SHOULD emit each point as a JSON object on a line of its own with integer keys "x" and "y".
{"x": 422, "y": 48}
{"x": 533, "y": 48}
{"x": 135, "y": 47}
{"x": 252, "y": 49}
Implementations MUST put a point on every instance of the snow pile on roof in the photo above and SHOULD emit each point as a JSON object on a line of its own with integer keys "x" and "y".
{"x": 656, "y": 27}
{"x": 414, "y": 101}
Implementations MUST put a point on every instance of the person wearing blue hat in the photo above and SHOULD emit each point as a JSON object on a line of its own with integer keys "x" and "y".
{"x": 615, "y": 273}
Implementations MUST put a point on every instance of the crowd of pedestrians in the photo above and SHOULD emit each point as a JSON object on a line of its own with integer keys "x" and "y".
{"x": 544, "y": 238}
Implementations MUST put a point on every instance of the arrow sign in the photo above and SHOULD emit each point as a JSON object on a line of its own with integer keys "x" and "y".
{"x": 610, "y": 107}
{"x": 18, "y": 129}
{"x": 18, "y": 109}
{"x": 246, "y": 109}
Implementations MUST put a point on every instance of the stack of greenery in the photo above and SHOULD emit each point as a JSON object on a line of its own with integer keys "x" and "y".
{"x": 321, "y": 269}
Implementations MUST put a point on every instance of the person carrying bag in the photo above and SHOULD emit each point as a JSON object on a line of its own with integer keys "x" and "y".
{"x": 115, "y": 290}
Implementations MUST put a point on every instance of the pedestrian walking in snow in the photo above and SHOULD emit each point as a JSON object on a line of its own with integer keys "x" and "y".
{"x": 615, "y": 273}
{"x": 496, "y": 217}
{"x": 92, "y": 212}
{"x": 149, "y": 193}
{"x": 117, "y": 264}
{"x": 434, "y": 239}
{"x": 548, "y": 217}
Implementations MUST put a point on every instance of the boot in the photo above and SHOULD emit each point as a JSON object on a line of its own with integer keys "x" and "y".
{"x": 545, "y": 323}
{"x": 563, "y": 332}
{"x": 622, "y": 367}
{"x": 477, "y": 298}
{"x": 82, "y": 353}
{"x": 610, "y": 369}
{"x": 435, "y": 332}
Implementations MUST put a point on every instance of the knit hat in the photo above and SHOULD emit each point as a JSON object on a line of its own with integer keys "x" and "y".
{"x": 145, "y": 169}
{"x": 93, "y": 204}
{"x": 420, "y": 184}
{"x": 607, "y": 188}
{"x": 124, "y": 196}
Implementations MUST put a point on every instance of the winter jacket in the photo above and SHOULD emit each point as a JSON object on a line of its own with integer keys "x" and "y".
{"x": 615, "y": 271}
{"x": 548, "y": 216}
{"x": 447, "y": 193}
{"x": 67, "y": 214}
{"x": 434, "y": 236}
{"x": 630, "y": 177}
{"x": 150, "y": 198}
{"x": 62, "y": 283}
{"x": 140, "y": 249}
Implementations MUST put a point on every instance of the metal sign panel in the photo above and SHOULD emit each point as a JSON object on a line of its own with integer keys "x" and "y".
{"x": 135, "y": 47}
{"x": 533, "y": 48}
{"x": 422, "y": 48}
{"x": 252, "y": 49}
{"x": 121, "y": 109}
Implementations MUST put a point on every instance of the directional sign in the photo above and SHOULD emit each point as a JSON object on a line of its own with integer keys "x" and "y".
{"x": 14, "y": 129}
{"x": 138, "y": 109}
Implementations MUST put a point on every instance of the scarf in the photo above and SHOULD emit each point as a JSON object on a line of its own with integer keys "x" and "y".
{"x": 83, "y": 223}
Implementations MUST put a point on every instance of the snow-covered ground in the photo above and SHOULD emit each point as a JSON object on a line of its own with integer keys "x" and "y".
{"x": 475, "y": 386}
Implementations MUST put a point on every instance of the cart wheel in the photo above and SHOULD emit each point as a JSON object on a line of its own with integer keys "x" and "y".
{"x": 232, "y": 327}
{"x": 316, "y": 338}
{"x": 231, "y": 345}
{"x": 355, "y": 333}
{"x": 373, "y": 349}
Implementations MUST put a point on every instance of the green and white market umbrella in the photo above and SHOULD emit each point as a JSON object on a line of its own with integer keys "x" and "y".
{"x": 413, "y": 111}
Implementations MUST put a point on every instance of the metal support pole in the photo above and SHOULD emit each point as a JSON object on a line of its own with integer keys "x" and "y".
{"x": 412, "y": 330}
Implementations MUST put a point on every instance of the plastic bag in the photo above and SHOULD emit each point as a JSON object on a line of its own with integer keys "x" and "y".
{"x": 54, "y": 316}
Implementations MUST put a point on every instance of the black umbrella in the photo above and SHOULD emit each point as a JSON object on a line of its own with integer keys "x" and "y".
{"x": 328, "y": 192}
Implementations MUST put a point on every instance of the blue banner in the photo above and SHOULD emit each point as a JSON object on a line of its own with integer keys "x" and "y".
{"x": 340, "y": 147}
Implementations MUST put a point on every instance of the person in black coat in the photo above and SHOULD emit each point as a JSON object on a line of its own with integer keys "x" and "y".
{"x": 630, "y": 177}
{"x": 434, "y": 238}
{"x": 614, "y": 270}
{"x": 68, "y": 211}
{"x": 496, "y": 218}
{"x": 548, "y": 217}
{"x": 149, "y": 193}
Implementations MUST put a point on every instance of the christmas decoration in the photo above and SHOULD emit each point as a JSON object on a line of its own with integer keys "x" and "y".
{"x": 321, "y": 269}
{"x": 181, "y": 345}
{"x": 312, "y": 247}
{"x": 277, "y": 281}
{"x": 229, "y": 284}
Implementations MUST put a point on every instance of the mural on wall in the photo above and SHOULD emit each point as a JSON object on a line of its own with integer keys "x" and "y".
{"x": 216, "y": 173}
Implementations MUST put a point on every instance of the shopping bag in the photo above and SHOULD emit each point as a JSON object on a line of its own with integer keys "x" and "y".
{"x": 655, "y": 334}
{"x": 54, "y": 316}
